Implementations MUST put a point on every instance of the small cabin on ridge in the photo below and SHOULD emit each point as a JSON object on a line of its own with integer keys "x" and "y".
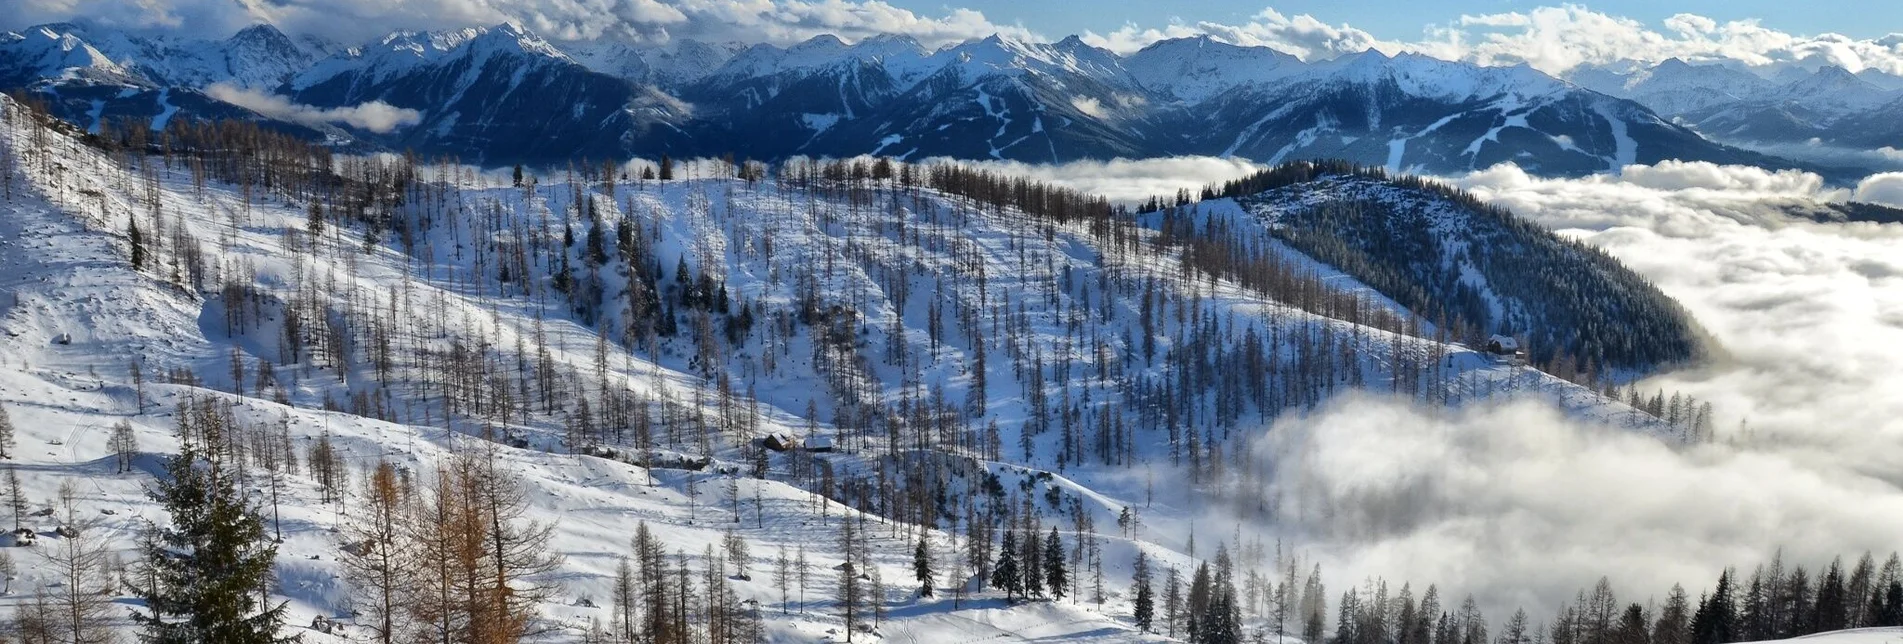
{"x": 1504, "y": 349}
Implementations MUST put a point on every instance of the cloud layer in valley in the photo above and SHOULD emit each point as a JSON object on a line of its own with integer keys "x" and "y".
{"x": 1129, "y": 181}
{"x": 375, "y": 116}
{"x": 1521, "y": 506}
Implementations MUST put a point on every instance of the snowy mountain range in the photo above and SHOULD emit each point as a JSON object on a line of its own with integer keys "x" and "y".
{"x": 500, "y": 95}
{"x": 1826, "y": 106}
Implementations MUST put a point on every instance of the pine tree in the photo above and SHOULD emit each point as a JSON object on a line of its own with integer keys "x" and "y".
{"x": 138, "y": 243}
{"x": 667, "y": 168}
{"x": 314, "y": 220}
{"x": 1005, "y": 576}
{"x": 1197, "y": 606}
{"x": 1831, "y": 610}
{"x": 922, "y": 567}
{"x": 209, "y": 565}
{"x": 1055, "y": 577}
{"x": 6, "y": 434}
{"x": 1712, "y": 624}
{"x": 1144, "y": 608}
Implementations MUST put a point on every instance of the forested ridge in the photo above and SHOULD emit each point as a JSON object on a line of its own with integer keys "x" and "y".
{"x": 1471, "y": 267}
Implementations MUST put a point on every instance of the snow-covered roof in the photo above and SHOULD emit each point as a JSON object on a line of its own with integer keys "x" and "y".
{"x": 1505, "y": 342}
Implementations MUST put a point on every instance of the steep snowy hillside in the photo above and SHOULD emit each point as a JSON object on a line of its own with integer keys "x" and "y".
{"x": 1477, "y": 269}
{"x": 984, "y": 357}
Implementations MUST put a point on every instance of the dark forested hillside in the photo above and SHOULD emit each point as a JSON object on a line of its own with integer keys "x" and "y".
{"x": 1472, "y": 268}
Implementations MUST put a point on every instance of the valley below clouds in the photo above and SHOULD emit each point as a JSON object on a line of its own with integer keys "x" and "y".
{"x": 1522, "y": 505}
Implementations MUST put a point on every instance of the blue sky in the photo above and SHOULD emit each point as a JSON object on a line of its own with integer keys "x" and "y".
{"x": 1404, "y": 19}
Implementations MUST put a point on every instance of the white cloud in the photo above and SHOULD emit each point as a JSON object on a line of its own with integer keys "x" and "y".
{"x": 1303, "y": 36}
{"x": 1553, "y": 39}
{"x": 1521, "y": 506}
{"x": 778, "y": 21}
{"x": 375, "y": 116}
{"x": 1128, "y": 180}
{"x": 1885, "y": 188}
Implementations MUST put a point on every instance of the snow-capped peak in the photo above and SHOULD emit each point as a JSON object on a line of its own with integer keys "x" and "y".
{"x": 402, "y": 51}
{"x": 1196, "y": 68}
{"x": 55, "y": 51}
{"x": 1425, "y": 76}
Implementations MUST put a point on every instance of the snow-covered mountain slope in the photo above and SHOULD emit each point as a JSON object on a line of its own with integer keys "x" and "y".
{"x": 679, "y": 63}
{"x": 259, "y": 56}
{"x": 1675, "y": 87}
{"x": 498, "y": 95}
{"x": 1194, "y": 69}
{"x": 496, "y": 91}
{"x": 44, "y": 53}
{"x": 966, "y": 359}
{"x": 1826, "y": 110}
{"x": 1414, "y": 113}
{"x": 1484, "y": 270}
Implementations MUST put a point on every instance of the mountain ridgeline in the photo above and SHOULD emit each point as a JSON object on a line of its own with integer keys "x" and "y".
{"x": 1470, "y": 268}
{"x": 503, "y": 95}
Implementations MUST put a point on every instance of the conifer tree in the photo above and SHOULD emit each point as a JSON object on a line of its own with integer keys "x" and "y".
{"x": 782, "y": 577}
{"x": 208, "y": 566}
{"x": 314, "y": 219}
{"x": 1055, "y": 577}
{"x": 1144, "y": 606}
{"x": 6, "y": 434}
{"x": 922, "y": 567}
{"x": 1712, "y": 624}
{"x": 138, "y": 243}
{"x": 124, "y": 445}
{"x": 380, "y": 560}
{"x": 626, "y": 602}
{"x": 1674, "y": 621}
{"x": 82, "y": 600}
{"x": 850, "y": 590}
{"x": 16, "y": 497}
{"x": 1005, "y": 576}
